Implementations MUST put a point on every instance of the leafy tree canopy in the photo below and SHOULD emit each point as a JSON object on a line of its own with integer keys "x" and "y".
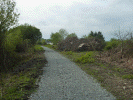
{"x": 71, "y": 35}
{"x": 55, "y": 38}
{"x": 29, "y": 32}
{"x": 96, "y": 35}
{"x": 63, "y": 33}
{"x": 8, "y": 17}
{"x": 85, "y": 36}
{"x": 58, "y": 36}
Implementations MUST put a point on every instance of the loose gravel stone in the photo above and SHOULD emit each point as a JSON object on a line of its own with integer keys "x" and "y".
{"x": 64, "y": 80}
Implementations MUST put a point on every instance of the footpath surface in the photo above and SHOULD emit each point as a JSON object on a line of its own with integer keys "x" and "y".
{"x": 64, "y": 80}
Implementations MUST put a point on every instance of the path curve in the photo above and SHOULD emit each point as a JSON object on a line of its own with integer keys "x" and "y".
{"x": 64, "y": 80}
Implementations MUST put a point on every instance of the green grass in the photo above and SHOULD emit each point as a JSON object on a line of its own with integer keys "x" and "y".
{"x": 105, "y": 73}
{"x": 15, "y": 87}
{"x": 87, "y": 58}
{"x": 129, "y": 76}
{"x": 38, "y": 48}
{"x": 69, "y": 53}
{"x": 18, "y": 86}
{"x": 51, "y": 46}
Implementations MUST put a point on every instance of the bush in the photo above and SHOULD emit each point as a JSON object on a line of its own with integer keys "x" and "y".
{"x": 111, "y": 44}
{"x": 38, "y": 48}
{"x": 130, "y": 76}
{"x": 69, "y": 53}
{"x": 12, "y": 40}
{"x": 39, "y": 43}
{"x": 87, "y": 58}
{"x": 44, "y": 42}
{"x": 23, "y": 46}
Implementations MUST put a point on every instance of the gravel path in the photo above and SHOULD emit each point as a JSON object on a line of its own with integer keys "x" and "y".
{"x": 64, "y": 80}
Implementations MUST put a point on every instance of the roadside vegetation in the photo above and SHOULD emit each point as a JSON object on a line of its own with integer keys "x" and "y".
{"x": 21, "y": 60}
{"x": 111, "y": 63}
{"x": 22, "y": 81}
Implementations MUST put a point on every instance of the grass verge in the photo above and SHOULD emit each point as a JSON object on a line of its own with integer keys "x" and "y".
{"x": 22, "y": 81}
{"x": 54, "y": 47}
{"x": 118, "y": 81}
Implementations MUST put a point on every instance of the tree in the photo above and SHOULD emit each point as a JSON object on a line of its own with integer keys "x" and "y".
{"x": 85, "y": 36}
{"x": 30, "y": 32}
{"x": 55, "y": 38}
{"x": 96, "y": 35}
{"x": 100, "y": 36}
{"x": 121, "y": 37}
{"x": 63, "y": 33}
{"x": 8, "y": 17}
{"x": 71, "y": 35}
{"x": 43, "y": 42}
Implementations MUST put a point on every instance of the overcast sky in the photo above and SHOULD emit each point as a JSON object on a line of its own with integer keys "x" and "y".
{"x": 79, "y": 16}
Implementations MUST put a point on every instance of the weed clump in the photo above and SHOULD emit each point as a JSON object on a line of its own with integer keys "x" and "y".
{"x": 130, "y": 76}
{"x": 38, "y": 48}
{"x": 87, "y": 58}
{"x": 69, "y": 53}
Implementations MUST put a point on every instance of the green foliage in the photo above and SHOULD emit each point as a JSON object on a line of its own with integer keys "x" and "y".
{"x": 54, "y": 47}
{"x": 49, "y": 46}
{"x": 71, "y": 35}
{"x": 85, "y": 36}
{"x": 38, "y": 48}
{"x": 87, "y": 58}
{"x": 43, "y": 42}
{"x": 18, "y": 86}
{"x": 8, "y": 17}
{"x": 55, "y": 38}
{"x": 96, "y": 35}
{"x": 69, "y": 53}
{"x": 30, "y": 32}
{"x": 58, "y": 36}
{"x": 15, "y": 42}
{"x": 63, "y": 33}
{"x": 130, "y": 76}
{"x": 39, "y": 42}
{"x": 113, "y": 43}
{"x": 12, "y": 40}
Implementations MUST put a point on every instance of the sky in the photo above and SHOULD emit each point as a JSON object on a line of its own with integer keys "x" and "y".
{"x": 77, "y": 16}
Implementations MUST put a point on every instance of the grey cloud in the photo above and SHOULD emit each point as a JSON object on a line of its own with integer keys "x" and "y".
{"x": 81, "y": 18}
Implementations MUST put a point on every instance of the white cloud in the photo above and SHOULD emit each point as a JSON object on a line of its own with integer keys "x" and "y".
{"x": 79, "y": 16}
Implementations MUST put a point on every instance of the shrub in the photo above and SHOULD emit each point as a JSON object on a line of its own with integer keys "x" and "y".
{"x": 69, "y": 53}
{"x": 111, "y": 44}
{"x": 23, "y": 46}
{"x": 130, "y": 76}
{"x": 44, "y": 42}
{"x": 38, "y": 48}
{"x": 12, "y": 40}
{"x": 39, "y": 43}
{"x": 87, "y": 58}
